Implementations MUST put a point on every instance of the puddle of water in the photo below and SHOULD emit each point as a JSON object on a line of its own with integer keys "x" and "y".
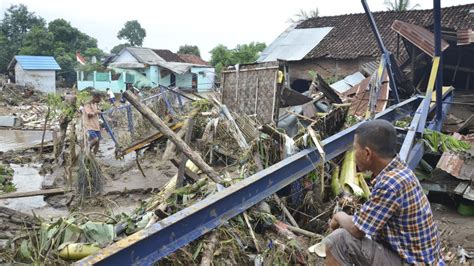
{"x": 26, "y": 178}
{"x": 18, "y": 139}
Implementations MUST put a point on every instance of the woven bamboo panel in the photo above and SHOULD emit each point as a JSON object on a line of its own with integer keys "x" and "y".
{"x": 251, "y": 92}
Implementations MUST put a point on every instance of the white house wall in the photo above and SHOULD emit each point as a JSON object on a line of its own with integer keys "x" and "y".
{"x": 206, "y": 77}
{"x": 42, "y": 80}
{"x": 125, "y": 57}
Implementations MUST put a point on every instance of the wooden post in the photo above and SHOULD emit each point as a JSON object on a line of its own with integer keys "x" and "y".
{"x": 182, "y": 165}
{"x": 44, "y": 131}
{"x": 180, "y": 144}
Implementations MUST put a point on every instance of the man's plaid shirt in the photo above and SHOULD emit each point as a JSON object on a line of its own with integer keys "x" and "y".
{"x": 398, "y": 214}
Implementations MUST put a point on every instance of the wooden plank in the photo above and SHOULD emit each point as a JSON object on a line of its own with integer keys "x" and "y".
{"x": 193, "y": 177}
{"x": 44, "y": 192}
{"x": 146, "y": 141}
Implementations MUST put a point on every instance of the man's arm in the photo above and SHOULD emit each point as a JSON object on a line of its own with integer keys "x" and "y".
{"x": 343, "y": 220}
{"x": 90, "y": 111}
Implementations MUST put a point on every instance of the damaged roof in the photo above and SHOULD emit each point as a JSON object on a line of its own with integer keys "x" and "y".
{"x": 168, "y": 56}
{"x": 159, "y": 57}
{"x": 193, "y": 59}
{"x": 352, "y": 37}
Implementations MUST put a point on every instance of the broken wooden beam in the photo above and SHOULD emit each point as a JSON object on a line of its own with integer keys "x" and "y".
{"x": 187, "y": 173}
{"x": 329, "y": 92}
{"x": 180, "y": 144}
{"x": 138, "y": 145}
{"x": 187, "y": 139}
{"x": 44, "y": 192}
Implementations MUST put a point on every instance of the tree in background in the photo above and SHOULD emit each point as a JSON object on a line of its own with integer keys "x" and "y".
{"x": 119, "y": 47}
{"x": 222, "y": 57}
{"x": 133, "y": 32}
{"x": 399, "y": 5}
{"x": 303, "y": 15}
{"x": 189, "y": 49}
{"x": 16, "y": 23}
{"x": 62, "y": 41}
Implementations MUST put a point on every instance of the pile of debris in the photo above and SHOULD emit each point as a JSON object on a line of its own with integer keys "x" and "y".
{"x": 236, "y": 147}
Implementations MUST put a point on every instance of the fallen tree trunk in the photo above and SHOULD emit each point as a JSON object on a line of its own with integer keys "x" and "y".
{"x": 180, "y": 144}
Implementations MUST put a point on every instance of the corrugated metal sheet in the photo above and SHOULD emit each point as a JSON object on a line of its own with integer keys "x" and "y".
{"x": 293, "y": 44}
{"x": 419, "y": 36}
{"x": 31, "y": 62}
{"x": 348, "y": 82}
{"x": 369, "y": 68}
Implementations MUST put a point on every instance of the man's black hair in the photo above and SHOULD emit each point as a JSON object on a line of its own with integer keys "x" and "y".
{"x": 379, "y": 135}
{"x": 96, "y": 94}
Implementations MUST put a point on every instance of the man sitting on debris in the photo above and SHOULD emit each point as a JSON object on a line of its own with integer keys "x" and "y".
{"x": 90, "y": 115}
{"x": 395, "y": 226}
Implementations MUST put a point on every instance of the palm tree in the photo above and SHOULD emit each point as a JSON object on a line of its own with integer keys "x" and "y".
{"x": 303, "y": 15}
{"x": 399, "y": 5}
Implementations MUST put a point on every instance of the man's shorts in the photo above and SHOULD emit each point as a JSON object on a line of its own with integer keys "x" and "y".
{"x": 112, "y": 100}
{"x": 348, "y": 250}
{"x": 94, "y": 134}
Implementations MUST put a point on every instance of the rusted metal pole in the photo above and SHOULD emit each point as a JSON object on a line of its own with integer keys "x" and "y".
{"x": 180, "y": 144}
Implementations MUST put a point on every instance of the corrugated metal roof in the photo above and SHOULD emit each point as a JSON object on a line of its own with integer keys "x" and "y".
{"x": 348, "y": 82}
{"x": 33, "y": 62}
{"x": 293, "y": 44}
{"x": 419, "y": 36}
{"x": 148, "y": 56}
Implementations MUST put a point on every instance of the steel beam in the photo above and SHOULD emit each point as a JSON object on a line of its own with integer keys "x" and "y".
{"x": 384, "y": 50}
{"x": 437, "y": 52}
{"x": 168, "y": 235}
{"x": 419, "y": 119}
{"x": 416, "y": 152}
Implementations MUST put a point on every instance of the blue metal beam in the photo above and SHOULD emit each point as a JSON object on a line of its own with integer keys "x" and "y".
{"x": 384, "y": 50}
{"x": 419, "y": 119}
{"x": 438, "y": 53}
{"x": 168, "y": 235}
{"x": 416, "y": 152}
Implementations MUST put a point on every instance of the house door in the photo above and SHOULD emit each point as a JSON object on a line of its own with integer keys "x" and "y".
{"x": 194, "y": 81}
{"x": 172, "y": 80}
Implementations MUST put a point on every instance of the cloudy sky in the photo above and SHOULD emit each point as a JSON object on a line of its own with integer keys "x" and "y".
{"x": 205, "y": 23}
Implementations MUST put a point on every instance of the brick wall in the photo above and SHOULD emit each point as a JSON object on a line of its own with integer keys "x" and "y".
{"x": 326, "y": 67}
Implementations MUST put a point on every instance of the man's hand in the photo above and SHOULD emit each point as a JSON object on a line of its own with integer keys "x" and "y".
{"x": 333, "y": 224}
{"x": 342, "y": 219}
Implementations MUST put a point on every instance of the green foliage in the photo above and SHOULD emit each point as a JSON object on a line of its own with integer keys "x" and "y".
{"x": 38, "y": 41}
{"x": 189, "y": 49}
{"x": 437, "y": 141}
{"x": 133, "y": 32}
{"x": 6, "y": 176}
{"x": 303, "y": 15}
{"x": 25, "y": 33}
{"x": 16, "y": 23}
{"x": 118, "y": 48}
{"x": 221, "y": 56}
{"x": 399, "y": 5}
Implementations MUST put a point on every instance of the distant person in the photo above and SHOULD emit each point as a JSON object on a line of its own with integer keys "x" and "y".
{"x": 111, "y": 95}
{"x": 122, "y": 98}
{"x": 90, "y": 116}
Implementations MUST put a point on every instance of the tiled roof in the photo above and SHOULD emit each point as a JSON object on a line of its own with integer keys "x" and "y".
{"x": 352, "y": 37}
{"x": 193, "y": 59}
{"x": 167, "y": 55}
{"x": 31, "y": 62}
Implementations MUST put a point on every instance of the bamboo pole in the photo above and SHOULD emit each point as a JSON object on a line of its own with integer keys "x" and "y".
{"x": 180, "y": 144}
